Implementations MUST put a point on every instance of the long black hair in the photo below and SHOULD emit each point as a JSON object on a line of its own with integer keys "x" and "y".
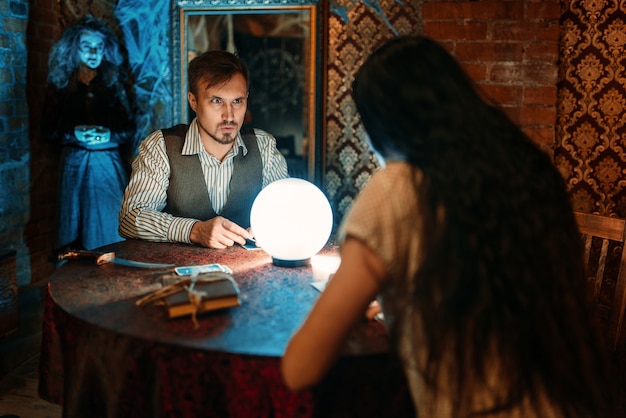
{"x": 501, "y": 274}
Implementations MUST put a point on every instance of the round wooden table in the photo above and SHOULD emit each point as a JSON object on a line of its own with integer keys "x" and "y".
{"x": 102, "y": 355}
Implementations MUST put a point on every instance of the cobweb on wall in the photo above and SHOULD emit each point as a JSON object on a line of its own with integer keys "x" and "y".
{"x": 144, "y": 26}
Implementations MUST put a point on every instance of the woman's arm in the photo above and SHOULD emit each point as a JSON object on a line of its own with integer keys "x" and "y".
{"x": 315, "y": 346}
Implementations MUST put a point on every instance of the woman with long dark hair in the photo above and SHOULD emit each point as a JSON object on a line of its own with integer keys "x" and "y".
{"x": 468, "y": 240}
{"x": 88, "y": 113}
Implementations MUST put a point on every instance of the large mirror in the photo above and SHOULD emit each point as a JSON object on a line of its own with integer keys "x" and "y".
{"x": 281, "y": 42}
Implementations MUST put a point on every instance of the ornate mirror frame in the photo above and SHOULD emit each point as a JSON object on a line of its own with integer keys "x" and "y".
{"x": 294, "y": 118}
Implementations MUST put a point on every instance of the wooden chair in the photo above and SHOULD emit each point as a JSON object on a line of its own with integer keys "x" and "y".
{"x": 605, "y": 260}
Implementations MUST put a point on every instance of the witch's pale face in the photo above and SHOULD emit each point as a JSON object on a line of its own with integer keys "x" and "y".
{"x": 91, "y": 49}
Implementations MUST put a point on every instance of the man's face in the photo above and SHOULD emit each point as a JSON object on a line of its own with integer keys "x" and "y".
{"x": 220, "y": 109}
{"x": 91, "y": 49}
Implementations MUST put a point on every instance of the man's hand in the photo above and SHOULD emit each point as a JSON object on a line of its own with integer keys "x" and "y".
{"x": 218, "y": 232}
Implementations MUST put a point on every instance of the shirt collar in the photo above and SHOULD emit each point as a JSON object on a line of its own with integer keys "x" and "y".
{"x": 193, "y": 143}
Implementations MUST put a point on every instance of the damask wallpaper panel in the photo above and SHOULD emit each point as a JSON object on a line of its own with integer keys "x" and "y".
{"x": 591, "y": 106}
{"x": 353, "y": 35}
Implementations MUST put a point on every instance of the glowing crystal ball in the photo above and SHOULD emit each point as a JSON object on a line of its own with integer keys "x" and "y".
{"x": 291, "y": 220}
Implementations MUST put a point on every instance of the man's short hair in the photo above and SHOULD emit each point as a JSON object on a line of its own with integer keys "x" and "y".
{"x": 215, "y": 67}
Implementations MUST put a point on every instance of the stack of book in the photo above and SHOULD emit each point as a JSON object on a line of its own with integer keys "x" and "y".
{"x": 215, "y": 290}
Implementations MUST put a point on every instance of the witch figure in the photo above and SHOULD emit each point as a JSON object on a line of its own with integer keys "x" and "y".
{"x": 88, "y": 113}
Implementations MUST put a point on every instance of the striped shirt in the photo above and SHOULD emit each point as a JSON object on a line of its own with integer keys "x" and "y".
{"x": 145, "y": 197}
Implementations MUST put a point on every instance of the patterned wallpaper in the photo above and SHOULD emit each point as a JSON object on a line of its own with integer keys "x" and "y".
{"x": 591, "y": 106}
{"x": 589, "y": 148}
{"x": 353, "y": 36}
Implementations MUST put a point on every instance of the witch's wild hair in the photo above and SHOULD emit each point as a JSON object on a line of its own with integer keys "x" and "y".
{"x": 64, "y": 57}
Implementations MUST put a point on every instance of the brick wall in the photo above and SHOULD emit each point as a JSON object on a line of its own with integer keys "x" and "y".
{"x": 14, "y": 134}
{"x": 510, "y": 48}
{"x": 27, "y": 167}
{"x": 43, "y": 31}
{"x": 9, "y": 310}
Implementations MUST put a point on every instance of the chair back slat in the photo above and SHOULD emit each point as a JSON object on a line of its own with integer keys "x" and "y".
{"x": 603, "y": 240}
{"x": 600, "y": 272}
{"x": 620, "y": 306}
{"x": 601, "y": 226}
{"x": 587, "y": 240}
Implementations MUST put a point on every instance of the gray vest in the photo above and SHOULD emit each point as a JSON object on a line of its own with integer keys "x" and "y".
{"x": 187, "y": 194}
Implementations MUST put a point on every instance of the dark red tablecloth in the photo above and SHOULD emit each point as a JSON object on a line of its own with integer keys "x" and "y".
{"x": 102, "y": 356}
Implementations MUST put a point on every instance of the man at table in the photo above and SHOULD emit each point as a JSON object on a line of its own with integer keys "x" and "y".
{"x": 196, "y": 183}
